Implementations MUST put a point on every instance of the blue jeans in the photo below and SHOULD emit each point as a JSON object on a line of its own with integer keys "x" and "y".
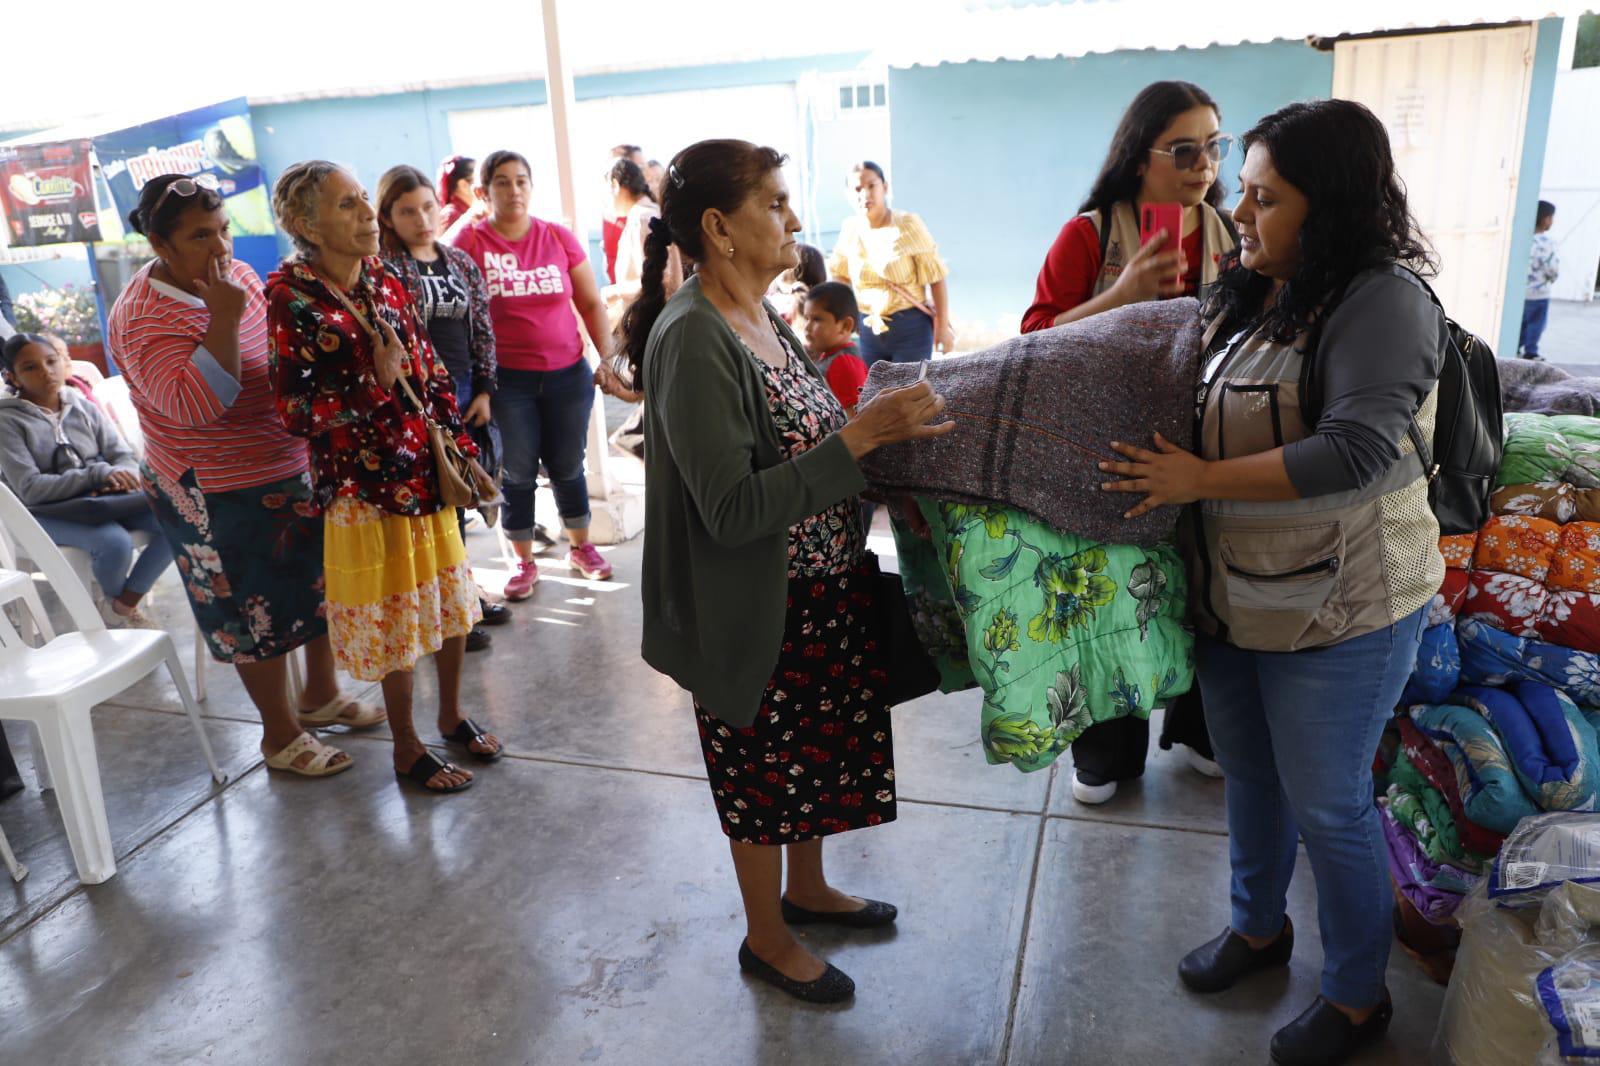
{"x": 544, "y": 418}
{"x": 1295, "y": 735}
{"x": 909, "y": 339}
{"x": 110, "y": 548}
{"x": 1535, "y": 313}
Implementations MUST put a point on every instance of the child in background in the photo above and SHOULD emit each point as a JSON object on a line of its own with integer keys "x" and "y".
{"x": 831, "y": 315}
{"x": 1543, "y": 269}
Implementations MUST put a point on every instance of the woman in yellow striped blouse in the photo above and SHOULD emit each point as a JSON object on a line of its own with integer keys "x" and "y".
{"x": 889, "y": 258}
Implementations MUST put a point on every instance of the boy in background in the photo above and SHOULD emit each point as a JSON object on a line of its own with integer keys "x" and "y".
{"x": 831, "y": 315}
{"x": 1543, "y": 269}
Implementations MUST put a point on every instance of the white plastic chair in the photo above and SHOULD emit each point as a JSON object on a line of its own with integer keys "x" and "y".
{"x": 55, "y": 686}
{"x": 17, "y": 586}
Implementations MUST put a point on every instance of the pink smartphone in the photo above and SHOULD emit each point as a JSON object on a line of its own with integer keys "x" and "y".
{"x": 1153, "y": 218}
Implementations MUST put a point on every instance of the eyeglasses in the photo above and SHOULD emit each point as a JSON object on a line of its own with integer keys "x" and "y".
{"x": 185, "y": 187}
{"x": 1187, "y": 154}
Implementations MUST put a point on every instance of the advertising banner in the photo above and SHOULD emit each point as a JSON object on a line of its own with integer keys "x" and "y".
{"x": 214, "y": 141}
{"x": 47, "y": 193}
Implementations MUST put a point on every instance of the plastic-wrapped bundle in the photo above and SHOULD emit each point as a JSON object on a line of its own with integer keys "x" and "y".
{"x": 1492, "y": 1014}
{"x": 1541, "y": 854}
{"x": 1551, "y": 744}
{"x": 1551, "y": 448}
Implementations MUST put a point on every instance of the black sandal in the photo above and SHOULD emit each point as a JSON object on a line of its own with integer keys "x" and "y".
{"x": 423, "y": 770}
{"x": 469, "y": 731}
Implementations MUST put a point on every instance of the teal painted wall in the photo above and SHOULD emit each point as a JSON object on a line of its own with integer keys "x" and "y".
{"x": 1541, "y": 97}
{"x": 997, "y": 156}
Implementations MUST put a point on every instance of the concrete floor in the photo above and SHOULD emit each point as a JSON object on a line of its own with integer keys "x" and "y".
{"x": 579, "y": 905}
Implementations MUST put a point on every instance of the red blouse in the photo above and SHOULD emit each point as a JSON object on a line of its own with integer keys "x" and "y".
{"x": 367, "y": 442}
{"x": 1072, "y": 267}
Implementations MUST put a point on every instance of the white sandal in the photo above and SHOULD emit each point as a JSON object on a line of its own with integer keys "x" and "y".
{"x": 321, "y": 763}
{"x": 352, "y": 714}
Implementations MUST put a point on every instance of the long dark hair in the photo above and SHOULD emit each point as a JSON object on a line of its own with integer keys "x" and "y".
{"x": 1336, "y": 153}
{"x": 1152, "y": 111}
{"x": 395, "y": 183}
{"x": 627, "y": 175}
{"x": 706, "y": 176}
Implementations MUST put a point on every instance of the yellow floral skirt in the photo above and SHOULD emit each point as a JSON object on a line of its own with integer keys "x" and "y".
{"x": 398, "y": 587}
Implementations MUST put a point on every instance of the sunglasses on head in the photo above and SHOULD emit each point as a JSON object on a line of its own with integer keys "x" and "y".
{"x": 1187, "y": 154}
{"x": 184, "y": 188}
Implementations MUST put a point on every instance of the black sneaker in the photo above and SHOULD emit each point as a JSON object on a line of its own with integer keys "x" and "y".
{"x": 1222, "y": 962}
{"x": 1325, "y": 1036}
{"x": 494, "y": 614}
{"x": 478, "y": 639}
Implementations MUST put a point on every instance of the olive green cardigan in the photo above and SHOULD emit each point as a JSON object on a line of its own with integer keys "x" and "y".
{"x": 719, "y": 501}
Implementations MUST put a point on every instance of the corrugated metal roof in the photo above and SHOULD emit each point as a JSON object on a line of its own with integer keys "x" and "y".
{"x": 1017, "y": 29}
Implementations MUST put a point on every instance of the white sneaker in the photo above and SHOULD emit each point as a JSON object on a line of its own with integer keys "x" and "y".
{"x": 1199, "y": 763}
{"x": 1092, "y": 795}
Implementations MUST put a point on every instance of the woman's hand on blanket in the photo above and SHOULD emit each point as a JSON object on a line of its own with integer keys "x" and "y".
{"x": 1168, "y": 475}
{"x": 895, "y": 415}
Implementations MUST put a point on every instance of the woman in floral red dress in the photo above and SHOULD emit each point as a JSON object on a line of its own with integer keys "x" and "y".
{"x": 344, "y": 333}
{"x": 758, "y": 589}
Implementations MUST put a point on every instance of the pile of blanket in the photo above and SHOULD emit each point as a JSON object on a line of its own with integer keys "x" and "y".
{"x": 1031, "y": 584}
{"x": 1501, "y": 719}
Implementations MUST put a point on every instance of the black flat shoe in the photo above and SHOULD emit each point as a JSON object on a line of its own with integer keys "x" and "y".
{"x": 478, "y": 639}
{"x": 874, "y": 914}
{"x": 495, "y": 614}
{"x": 832, "y": 987}
{"x": 1324, "y": 1035}
{"x": 1221, "y": 963}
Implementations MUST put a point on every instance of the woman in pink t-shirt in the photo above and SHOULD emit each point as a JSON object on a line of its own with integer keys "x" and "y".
{"x": 538, "y": 275}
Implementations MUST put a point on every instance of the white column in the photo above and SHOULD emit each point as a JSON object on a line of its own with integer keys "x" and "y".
{"x": 617, "y": 516}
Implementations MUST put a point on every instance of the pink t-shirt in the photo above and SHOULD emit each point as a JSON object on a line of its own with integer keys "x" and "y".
{"x": 530, "y": 293}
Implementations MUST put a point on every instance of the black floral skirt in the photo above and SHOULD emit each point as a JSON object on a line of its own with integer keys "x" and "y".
{"x": 819, "y": 758}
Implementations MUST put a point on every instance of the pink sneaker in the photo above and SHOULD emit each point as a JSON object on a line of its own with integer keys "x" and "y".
{"x": 520, "y": 587}
{"x": 587, "y": 560}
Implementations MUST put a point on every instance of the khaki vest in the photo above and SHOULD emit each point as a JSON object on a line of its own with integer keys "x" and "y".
{"x": 1302, "y": 573}
{"x": 1215, "y": 242}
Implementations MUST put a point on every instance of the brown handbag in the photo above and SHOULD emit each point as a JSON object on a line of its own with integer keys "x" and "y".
{"x": 458, "y": 487}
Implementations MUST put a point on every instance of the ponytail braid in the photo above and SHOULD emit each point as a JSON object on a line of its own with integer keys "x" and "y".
{"x": 642, "y": 313}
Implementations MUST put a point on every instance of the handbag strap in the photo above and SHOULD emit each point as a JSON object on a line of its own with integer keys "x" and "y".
{"x": 377, "y": 338}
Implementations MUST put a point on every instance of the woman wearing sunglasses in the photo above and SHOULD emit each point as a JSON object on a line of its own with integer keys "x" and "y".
{"x": 1167, "y": 149}
{"x": 229, "y": 486}
{"x": 68, "y": 464}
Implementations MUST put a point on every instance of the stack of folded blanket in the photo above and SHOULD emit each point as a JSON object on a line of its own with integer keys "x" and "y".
{"x": 1032, "y": 585}
{"x": 1501, "y": 715}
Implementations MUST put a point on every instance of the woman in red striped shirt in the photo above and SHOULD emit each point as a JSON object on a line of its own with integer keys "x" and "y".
{"x": 228, "y": 483}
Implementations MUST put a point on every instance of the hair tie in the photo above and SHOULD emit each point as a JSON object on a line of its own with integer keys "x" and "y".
{"x": 660, "y": 230}
{"x": 675, "y": 176}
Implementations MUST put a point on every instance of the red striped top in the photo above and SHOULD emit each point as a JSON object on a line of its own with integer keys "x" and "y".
{"x": 194, "y": 415}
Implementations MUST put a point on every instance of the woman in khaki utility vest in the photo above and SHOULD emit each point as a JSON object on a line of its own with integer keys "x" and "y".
{"x": 1312, "y": 549}
{"x": 1168, "y": 148}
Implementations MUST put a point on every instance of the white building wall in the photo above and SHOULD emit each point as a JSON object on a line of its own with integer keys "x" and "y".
{"x": 1571, "y": 180}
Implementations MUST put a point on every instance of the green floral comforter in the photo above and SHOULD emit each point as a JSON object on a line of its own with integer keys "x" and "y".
{"x": 1060, "y": 632}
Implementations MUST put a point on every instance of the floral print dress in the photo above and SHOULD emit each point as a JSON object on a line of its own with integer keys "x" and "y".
{"x": 819, "y": 758}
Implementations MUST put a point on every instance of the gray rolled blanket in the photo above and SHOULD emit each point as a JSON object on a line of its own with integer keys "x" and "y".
{"x": 1035, "y": 413}
{"x": 1538, "y": 388}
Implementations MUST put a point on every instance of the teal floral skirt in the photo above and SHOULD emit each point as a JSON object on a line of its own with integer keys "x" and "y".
{"x": 251, "y": 561}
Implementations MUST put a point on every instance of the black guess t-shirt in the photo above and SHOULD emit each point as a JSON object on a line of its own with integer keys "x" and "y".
{"x": 444, "y": 309}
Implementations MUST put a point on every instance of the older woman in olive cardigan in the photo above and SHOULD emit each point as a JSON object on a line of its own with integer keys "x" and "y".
{"x": 758, "y": 590}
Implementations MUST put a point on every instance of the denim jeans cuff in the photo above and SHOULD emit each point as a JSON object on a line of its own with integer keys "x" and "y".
{"x": 520, "y": 536}
{"x": 580, "y": 522}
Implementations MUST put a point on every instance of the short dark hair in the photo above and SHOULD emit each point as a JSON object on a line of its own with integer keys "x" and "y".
{"x": 1546, "y": 210}
{"x": 1336, "y": 153}
{"x": 836, "y": 298}
{"x": 812, "y": 269}
{"x": 146, "y": 219}
{"x": 12, "y": 349}
{"x": 623, "y": 151}
{"x": 454, "y": 169}
{"x": 497, "y": 159}
{"x": 865, "y": 165}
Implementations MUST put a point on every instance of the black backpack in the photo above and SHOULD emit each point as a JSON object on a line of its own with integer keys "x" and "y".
{"x": 1469, "y": 430}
